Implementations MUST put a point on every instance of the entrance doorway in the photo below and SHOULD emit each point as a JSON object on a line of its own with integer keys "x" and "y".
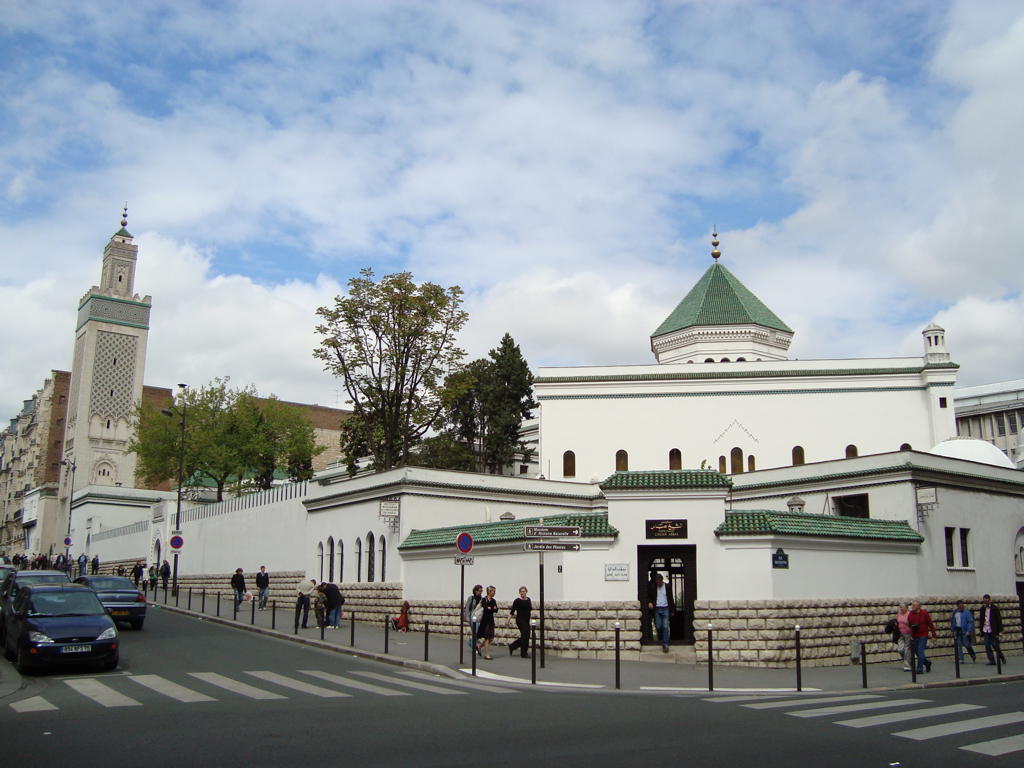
{"x": 678, "y": 566}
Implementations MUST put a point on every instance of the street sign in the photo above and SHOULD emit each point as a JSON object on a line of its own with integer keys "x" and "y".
{"x": 551, "y": 531}
{"x": 463, "y": 559}
{"x": 177, "y": 542}
{"x": 464, "y": 543}
{"x": 67, "y": 541}
{"x": 389, "y": 508}
{"x": 550, "y": 546}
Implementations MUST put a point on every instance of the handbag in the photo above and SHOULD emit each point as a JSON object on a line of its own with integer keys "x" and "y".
{"x": 478, "y": 613}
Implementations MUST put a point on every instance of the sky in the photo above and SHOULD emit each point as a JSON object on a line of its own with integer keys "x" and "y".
{"x": 563, "y": 162}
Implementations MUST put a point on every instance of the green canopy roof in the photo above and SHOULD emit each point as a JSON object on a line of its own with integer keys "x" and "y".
{"x": 719, "y": 298}
{"x": 756, "y": 522}
{"x": 502, "y": 531}
{"x": 666, "y": 479}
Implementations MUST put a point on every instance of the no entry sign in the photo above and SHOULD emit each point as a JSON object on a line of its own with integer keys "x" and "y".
{"x": 176, "y": 542}
{"x": 464, "y": 543}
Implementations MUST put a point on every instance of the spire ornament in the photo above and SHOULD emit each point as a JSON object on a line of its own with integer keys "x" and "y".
{"x": 124, "y": 215}
{"x": 715, "y": 253}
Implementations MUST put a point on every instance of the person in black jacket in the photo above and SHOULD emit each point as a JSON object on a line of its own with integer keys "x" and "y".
{"x": 238, "y": 584}
{"x": 521, "y": 608}
{"x": 990, "y": 624}
{"x": 661, "y": 607}
{"x": 263, "y": 585}
{"x": 165, "y": 573}
{"x": 334, "y": 599}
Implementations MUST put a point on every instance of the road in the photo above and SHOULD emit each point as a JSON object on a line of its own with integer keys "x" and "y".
{"x": 189, "y": 692}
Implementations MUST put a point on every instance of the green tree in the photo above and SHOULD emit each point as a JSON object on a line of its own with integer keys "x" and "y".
{"x": 392, "y": 343}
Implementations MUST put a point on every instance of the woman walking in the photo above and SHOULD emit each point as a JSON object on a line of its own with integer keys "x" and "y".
{"x": 905, "y": 641}
{"x": 473, "y": 612}
{"x": 521, "y": 609}
{"x": 487, "y": 622}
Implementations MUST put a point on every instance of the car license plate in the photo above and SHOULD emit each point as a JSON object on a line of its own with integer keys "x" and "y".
{"x": 119, "y": 613}
{"x": 76, "y": 649}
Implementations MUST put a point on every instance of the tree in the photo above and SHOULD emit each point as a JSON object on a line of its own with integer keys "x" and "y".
{"x": 392, "y": 343}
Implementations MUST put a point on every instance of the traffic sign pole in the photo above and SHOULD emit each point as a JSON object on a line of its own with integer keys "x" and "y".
{"x": 540, "y": 555}
{"x": 462, "y": 619}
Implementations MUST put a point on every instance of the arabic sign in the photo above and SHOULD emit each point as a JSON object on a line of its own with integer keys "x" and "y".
{"x": 616, "y": 571}
{"x": 551, "y": 531}
{"x": 389, "y": 508}
{"x": 550, "y": 546}
{"x": 666, "y": 529}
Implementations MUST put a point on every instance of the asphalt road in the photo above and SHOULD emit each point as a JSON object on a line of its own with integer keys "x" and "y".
{"x": 193, "y": 693}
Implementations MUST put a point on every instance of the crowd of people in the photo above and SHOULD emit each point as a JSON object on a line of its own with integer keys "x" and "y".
{"x": 912, "y": 627}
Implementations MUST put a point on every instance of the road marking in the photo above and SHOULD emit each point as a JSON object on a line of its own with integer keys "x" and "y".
{"x": 457, "y": 683}
{"x": 504, "y": 678}
{"x": 823, "y": 711}
{"x": 298, "y": 685}
{"x": 729, "y": 699}
{"x": 808, "y": 702}
{"x": 101, "y": 694}
{"x": 357, "y": 684}
{"x": 963, "y": 726}
{"x": 173, "y": 690}
{"x": 411, "y": 684}
{"x": 998, "y": 747}
{"x": 34, "y": 704}
{"x": 914, "y": 714}
{"x": 235, "y": 686}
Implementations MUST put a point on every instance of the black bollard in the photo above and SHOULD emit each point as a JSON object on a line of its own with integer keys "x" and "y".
{"x": 190, "y": 598}
{"x": 273, "y": 614}
{"x": 426, "y": 640}
{"x": 218, "y": 604}
{"x": 999, "y": 655}
{"x": 352, "y": 628}
{"x": 234, "y": 606}
{"x": 252, "y": 602}
{"x": 618, "y": 679}
{"x": 177, "y": 597}
{"x": 165, "y": 595}
{"x": 799, "y": 672}
{"x": 323, "y": 625}
{"x": 956, "y": 655}
{"x": 387, "y": 628}
{"x": 863, "y": 665}
{"x": 204, "y": 601}
{"x": 913, "y": 660}
{"x": 711, "y": 660}
{"x": 533, "y": 651}
{"x": 298, "y": 611}
{"x": 473, "y": 661}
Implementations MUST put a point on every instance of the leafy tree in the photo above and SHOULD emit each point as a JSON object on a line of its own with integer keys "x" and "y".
{"x": 392, "y": 343}
{"x": 279, "y": 437}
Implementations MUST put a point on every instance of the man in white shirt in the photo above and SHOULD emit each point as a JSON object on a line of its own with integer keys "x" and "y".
{"x": 661, "y": 606}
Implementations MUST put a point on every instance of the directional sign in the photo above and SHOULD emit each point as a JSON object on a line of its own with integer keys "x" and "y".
{"x": 550, "y": 546}
{"x": 463, "y": 559}
{"x": 464, "y": 542}
{"x": 551, "y": 531}
{"x": 176, "y": 542}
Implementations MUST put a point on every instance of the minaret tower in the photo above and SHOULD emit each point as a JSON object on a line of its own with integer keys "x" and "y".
{"x": 106, "y": 373}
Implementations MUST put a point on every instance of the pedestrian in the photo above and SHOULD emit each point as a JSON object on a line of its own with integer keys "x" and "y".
{"x": 921, "y": 628}
{"x": 137, "y": 571}
{"x": 661, "y": 604}
{"x": 238, "y": 585}
{"x": 487, "y": 621}
{"x": 961, "y": 622}
{"x": 906, "y": 640}
{"x": 263, "y": 585}
{"x": 334, "y": 600}
{"x": 165, "y": 573}
{"x": 121, "y": 572}
{"x": 306, "y": 589}
{"x": 95, "y": 564}
{"x": 472, "y": 612}
{"x": 152, "y": 577}
{"x": 522, "y": 606}
{"x": 83, "y": 560}
{"x": 990, "y": 622}
{"x": 400, "y": 623}
{"x": 320, "y": 606}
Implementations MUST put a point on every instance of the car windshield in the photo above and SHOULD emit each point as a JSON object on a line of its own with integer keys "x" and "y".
{"x": 42, "y": 578}
{"x": 110, "y": 582}
{"x": 65, "y": 604}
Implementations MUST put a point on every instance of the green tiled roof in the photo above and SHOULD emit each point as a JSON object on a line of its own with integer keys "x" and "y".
{"x": 666, "y": 478}
{"x": 719, "y": 298}
{"x": 752, "y": 522}
{"x": 502, "y": 531}
{"x": 123, "y": 232}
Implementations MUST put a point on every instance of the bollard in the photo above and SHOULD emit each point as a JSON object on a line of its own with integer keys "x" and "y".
{"x": 863, "y": 665}
{"x": 298, "y": 611}
{"x": 323, "y": 625}
{"x": 473, "y": 654}
{"x": 426, "y": 640}
{"x": 273, "y": 614}
{"x": 204, "y": 601}
{"x": 177, "y": 597}
{"x": 234, "y": 606}
{"x": 218, "y": 604}
{"x": 799, "y": 678}
{"x": 956, "y": 655}
{"x": 913, "y": 660}
{"x": 190, "y": 598}
{"x": 165, "y": 595}
{"x": 618, "y": 630}
{"x": 711, "y": 660}
{"x": 387, "y": 627}
{"x": 999, "y": 656}
{"x": 533, "y": 651}
{"x": 352, "y": 628}
{"x": 252, "y": 619}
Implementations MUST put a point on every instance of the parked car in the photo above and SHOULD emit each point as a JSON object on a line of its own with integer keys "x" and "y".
{"x": 12, "y": 584}
{"x": 56, "y": 624}
{"x": 119, "y": 596}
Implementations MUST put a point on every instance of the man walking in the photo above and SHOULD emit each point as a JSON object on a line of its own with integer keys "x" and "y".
{"x": 921, "y": 627}
{"x": 83, "y": 559}
{"x": 263, "y": 585}
{"x": 990, "y": 621}
{"x": 95, "y": 564}
{"x": 661, "y": 605}
{"x": 238, "y": 585}
{"x": 962, "y": 625}
{"x": 302, "y": 604}
{"x": 165, "y": 573}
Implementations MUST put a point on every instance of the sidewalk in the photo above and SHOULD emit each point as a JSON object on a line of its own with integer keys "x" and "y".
{"x": 654, "y": 676}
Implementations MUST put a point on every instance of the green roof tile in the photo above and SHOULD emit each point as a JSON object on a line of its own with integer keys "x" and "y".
{"x": 754, "y": 522}
{"x": 666, "y": 478}
{"x": 502, "y": 531}
{"x": 719, "y": 298}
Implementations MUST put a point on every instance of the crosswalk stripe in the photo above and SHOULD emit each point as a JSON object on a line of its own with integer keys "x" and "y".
{"x": 823, "y": 711}
{"x": 298, "y": 685}
{"x": 33, "y": 704}
{"x": 963, "y": 726}
{"x": 914, "y": 714}
{"x": 736, "y": 699}
{"x": 809, "y": 702}
{"x": 235, "y": 686}
{"x": 457, "y": 683}
{"x": 102, "y": 694}
{"x": 411, "y": 684}
{"x": 168, "y": 688}
{"x": 998, "y": 747}
{"x": 357, "y": 684}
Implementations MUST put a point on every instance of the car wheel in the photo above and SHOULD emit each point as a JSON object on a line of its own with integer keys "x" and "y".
{"x": 111, "y": 663}
{"x": 137, "y": 624}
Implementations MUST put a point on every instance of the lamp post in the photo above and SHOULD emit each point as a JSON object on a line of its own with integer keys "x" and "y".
{"x": 71, "y": 493}
{"x": 181, "y": 477}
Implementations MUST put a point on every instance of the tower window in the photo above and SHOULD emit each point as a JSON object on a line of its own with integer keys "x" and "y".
{"x": 721, "y": 464}
{"x": 851, "y": 451}
{"x": 675, "y": 459}
{"x": 751, "y": 466}
{"x": 736, "y": 460}
{"x": 621, "y": 461}
{"x": 942, "y": 402}
{"x": 569, "y": 464}
{"x": 798, "y": 455}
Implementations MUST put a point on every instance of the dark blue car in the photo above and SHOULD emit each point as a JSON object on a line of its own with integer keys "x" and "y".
{"x": 55, "y": 625}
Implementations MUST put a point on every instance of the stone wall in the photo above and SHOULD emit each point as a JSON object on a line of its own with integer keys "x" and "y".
{"x": 762, "y": 632}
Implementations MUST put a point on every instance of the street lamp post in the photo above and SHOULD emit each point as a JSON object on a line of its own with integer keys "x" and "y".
{"x": 71, "y": 493}
{"x": 181, "y": 479}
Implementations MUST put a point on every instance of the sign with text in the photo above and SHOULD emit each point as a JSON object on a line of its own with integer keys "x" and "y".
{"x": 780, "y": 559}
{"x": 550, "y": 546}
{"x": 389, "y": 508}
{"x": 463, "y": 559}
{"x": 666, "y": 529}
{"x": 551, "y": 531}
{"x": 616, "y": 571}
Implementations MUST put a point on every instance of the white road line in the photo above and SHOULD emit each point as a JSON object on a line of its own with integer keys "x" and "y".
{"x": 823, "y": 711}
{"x": 962, "y": 726}
{"x": 998, "y": 747}
{"x": 524, "y": 681}
{"x": 914, "y": 714}
{"x": 457, "y": 683}
{"x": 811, "y": 701}
{"x": 171, "y": 689}
{"x": 235, "y": 686}
{"x": 357, "y": 684}
{"x": 34, "y": 704}
{"x": 732, "y": 699}
{"x": 411, "y": 684}
{"x": 298, "y": 685}
{"x": 101, "y": 694}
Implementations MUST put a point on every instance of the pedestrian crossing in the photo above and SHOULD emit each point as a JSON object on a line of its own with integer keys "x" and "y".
{"x": 868, "y": 709}
{"x": 136, "y": 690}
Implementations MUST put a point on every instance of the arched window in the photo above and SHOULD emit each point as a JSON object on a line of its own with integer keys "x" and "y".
{"x": 370, "y": 557}
{"x": 725, "y": 359}
{"x": 621, "y": 461}
{"x": 330, "y": 558}
{"x": 906, "y": 447}
{"x": 675, "y": 459}
{"x": 741, "y": 359}
{"x": 851, "y": 451}
{"x": 750, "y": 463}
{"x": 798, "y": 455}
{"x": 568, "y": 464}
{"x": 721, "y": 464}
{"x": 320, "y": 558}
{"x": 736, "y": 460}
{"x": 341, "y": 561}
{"x": 359, "y": 560}
{"x": 383, "y": 558}
{"x": 709, "y": 359}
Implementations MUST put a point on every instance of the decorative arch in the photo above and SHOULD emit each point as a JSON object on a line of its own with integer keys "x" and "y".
{"x": 751, "y": 465}
{"x": 383, "y": 558}
{"x": 1018, "y": 554}
{"x": 359, "y": 560}
{"x": 736, "y": 460}
{"x": 798, "y": 455}
{"x": 341, "y": 560}
{"x": 320, "y": 558}
{"x": 721, "y": 464}
{"x": 621, "y": 461}
{"x": 370, "y": 557}
{"x": 330, "y": 558}
{"x": 569, "y": 464}
{"x": 851, "y": 451}
{"x": 675, "y": 459}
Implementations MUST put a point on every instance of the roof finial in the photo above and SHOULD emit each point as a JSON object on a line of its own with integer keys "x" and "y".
{"x": 715, "y": 253}
{"x": 124, "y": 215}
